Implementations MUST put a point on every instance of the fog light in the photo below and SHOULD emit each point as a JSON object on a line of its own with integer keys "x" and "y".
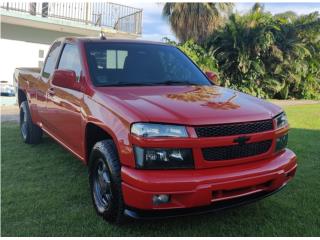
{"x": 162, "y": 198}
{"x": 281, "y": 142}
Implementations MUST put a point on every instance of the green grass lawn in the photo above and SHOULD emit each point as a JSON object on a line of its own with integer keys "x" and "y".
{"x": 45, "y": 192}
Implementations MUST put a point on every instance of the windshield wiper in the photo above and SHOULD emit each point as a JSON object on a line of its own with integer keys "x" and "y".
{"x": 174, "y": 82}
{"x": 169, "y": 83}
{"x": 126, "y": 84}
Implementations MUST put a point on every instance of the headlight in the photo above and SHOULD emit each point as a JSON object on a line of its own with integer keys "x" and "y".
{"x": 163, "y": 158}
{"x": 158, "y": 130}
{"x": 281, "y": 120}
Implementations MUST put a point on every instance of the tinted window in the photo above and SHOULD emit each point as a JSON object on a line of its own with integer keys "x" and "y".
{"x": 51, "y": 60}
{"x": 70, "y": 59}
{"x": 115, "y": 59}
{"x": 114, "y": 64}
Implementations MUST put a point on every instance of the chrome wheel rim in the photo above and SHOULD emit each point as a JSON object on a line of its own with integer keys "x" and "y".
{"x": 102, "y": 186}
{"x": 23, "y": 123}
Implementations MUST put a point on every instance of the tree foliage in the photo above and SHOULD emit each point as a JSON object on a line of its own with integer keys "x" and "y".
{"x": 195, "y": 21}
{"x": 270, "y": 56}
{"x": 204, "y": 59}
{"x": 265, "y": 55}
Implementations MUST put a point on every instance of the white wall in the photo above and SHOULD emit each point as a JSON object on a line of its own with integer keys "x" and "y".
{"x": 19, "y": 54}
{"x": 20, "y": 46}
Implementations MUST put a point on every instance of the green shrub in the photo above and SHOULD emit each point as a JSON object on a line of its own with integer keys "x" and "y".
{"x": 265, "y": 55}
{"x": 269, "y": 56}
{"x": 200, "y": 56}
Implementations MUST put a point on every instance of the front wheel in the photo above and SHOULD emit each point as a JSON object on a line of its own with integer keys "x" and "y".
{"x": 105, "y": 181}
{"x": 30, "y": 132}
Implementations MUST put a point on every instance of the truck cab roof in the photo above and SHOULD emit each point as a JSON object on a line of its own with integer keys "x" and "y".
{"x": 109, "y": 40}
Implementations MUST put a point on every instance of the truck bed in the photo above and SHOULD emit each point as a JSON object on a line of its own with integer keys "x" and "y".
{"x": 24, "y": 77}
{"x": 30, "y": 70}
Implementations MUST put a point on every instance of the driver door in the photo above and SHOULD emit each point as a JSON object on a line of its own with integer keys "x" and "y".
{"x": 64, "y": 105}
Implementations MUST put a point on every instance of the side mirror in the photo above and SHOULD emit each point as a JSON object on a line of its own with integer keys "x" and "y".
{"x": 213, "y": 77}
{"x": 66, "y": 79}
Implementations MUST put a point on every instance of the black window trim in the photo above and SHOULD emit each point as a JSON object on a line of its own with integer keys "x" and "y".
{"x": 45, "y": 62}
{"x": 213, "y": 84}
{"x": 60, "y": 55}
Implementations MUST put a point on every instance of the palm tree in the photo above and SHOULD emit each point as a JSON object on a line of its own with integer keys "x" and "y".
{"x": 268, "y": 56}
{"x": 257, "y": 7}
{"x": 196, "y": 20}
{"x": 289, "y": 15}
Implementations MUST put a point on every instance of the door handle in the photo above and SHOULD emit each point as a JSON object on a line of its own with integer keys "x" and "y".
{"x": 51, "y": 92}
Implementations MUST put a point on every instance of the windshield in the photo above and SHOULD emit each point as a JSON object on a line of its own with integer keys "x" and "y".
{"x": 136, "y": 64}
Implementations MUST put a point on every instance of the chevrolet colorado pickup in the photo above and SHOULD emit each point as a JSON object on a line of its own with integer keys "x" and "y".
{"x": 159, "y": 137}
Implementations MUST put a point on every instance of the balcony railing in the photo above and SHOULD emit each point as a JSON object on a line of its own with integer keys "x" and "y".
{"x": 103, "y": 14}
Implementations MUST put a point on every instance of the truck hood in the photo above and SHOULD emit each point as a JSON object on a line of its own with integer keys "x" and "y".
{"x": 188, "y": 105}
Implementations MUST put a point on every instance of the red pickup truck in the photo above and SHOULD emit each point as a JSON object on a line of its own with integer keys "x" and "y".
{"x": 159, "y": 137}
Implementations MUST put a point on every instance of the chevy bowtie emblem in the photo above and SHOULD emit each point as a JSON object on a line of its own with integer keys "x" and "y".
{"x": 241, "y": 140}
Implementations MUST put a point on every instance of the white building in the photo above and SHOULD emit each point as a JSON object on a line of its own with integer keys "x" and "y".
{"x": 28, "y": 29}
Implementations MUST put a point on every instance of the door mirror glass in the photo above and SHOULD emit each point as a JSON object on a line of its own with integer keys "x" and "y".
{"x": 66, "y": 79}
{"x": 213, "y": 77}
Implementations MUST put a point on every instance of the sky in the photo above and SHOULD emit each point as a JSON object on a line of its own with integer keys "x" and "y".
{"x": 155, "y": 27}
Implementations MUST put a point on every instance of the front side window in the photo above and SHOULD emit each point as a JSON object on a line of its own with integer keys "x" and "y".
{"x": 121, "y": 64}
{"x": 70, "y": 59}
{"x": 51, "y": 60}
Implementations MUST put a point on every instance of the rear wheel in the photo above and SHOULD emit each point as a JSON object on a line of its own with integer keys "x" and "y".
{"x": 30, "y": 132}
{"x": 105, "y": 181}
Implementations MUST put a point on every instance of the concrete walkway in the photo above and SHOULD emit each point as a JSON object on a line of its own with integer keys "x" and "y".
{"x": 9, "y": 113}
{"x": 4, "y": 100}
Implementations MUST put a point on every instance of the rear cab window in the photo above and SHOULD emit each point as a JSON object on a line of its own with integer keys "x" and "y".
{"x": 51, "y": 60}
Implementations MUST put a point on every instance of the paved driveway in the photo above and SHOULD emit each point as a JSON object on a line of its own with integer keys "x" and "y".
{"x": 9, "y": 113}
{"x": 9, "y": 109}
{"x": 7, "y": 100}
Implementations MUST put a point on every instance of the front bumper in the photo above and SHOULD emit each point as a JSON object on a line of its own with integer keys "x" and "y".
{"x": 232, "y": 203}
{"x": 203, "y": 190}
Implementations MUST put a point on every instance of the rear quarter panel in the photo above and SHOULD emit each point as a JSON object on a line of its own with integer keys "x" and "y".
{"x": 28, "y": 81}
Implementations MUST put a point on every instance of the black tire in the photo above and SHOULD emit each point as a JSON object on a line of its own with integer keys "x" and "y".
{"x": 30, "y": 132}
{"x": 105, "y": 181}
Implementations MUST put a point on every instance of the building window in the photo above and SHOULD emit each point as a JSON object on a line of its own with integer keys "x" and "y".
{"x": 115, "y": 59}
{"x": 40, "y": 64}
{"x": 41, "y": 53}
